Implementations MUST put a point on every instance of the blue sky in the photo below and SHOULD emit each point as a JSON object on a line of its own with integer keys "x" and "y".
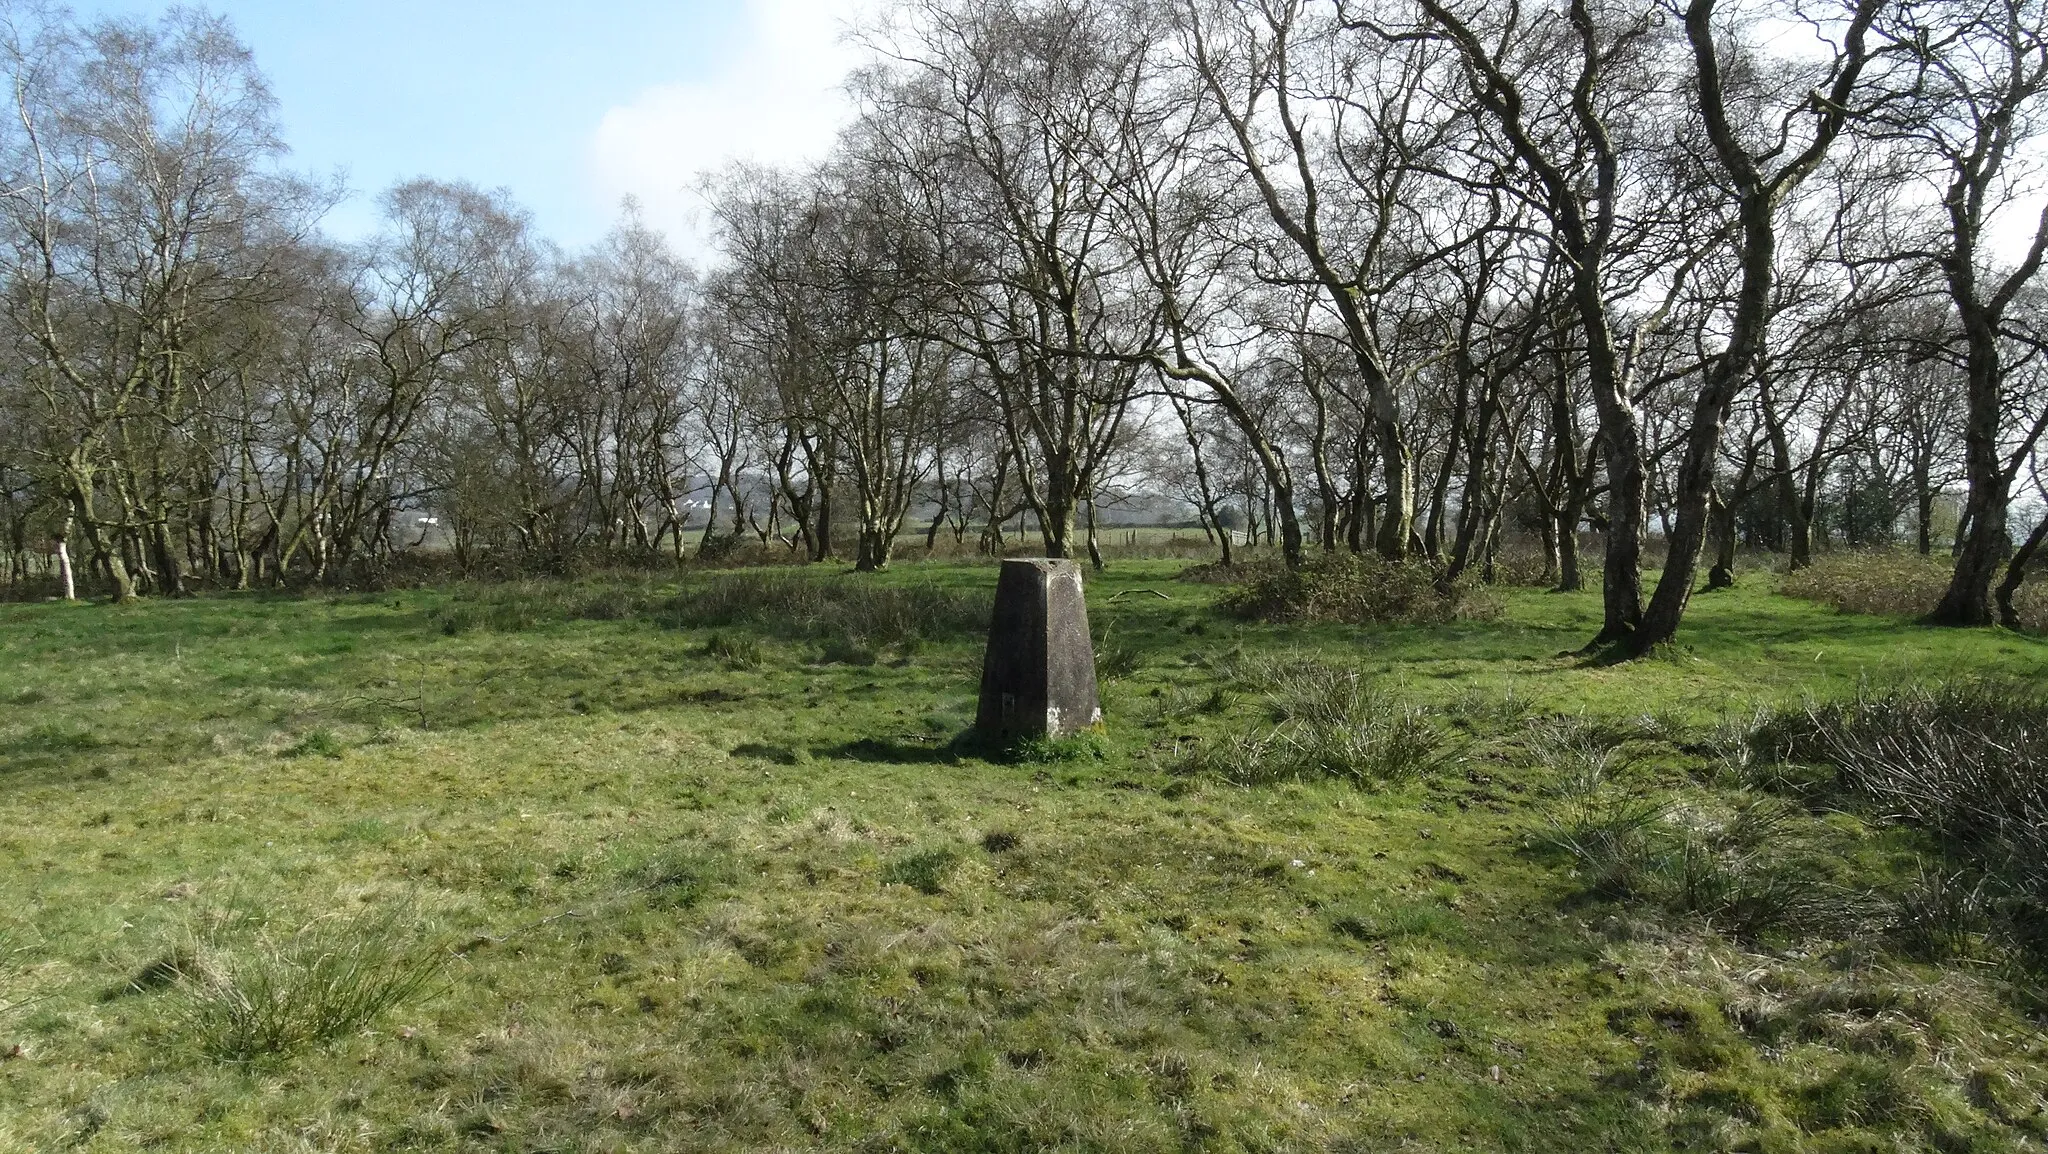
{"x": 573, "y": 105}
{"x": 569, "y": 105}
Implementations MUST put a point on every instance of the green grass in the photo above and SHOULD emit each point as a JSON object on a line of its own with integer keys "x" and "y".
{"x": 641, "y": 870}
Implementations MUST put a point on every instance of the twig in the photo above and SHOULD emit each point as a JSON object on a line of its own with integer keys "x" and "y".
{"x": 1128, "y": 592}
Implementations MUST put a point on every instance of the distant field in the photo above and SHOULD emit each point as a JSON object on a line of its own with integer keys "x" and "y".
{"x": 703, "y": 865}
{"x": 1129, "y": 542}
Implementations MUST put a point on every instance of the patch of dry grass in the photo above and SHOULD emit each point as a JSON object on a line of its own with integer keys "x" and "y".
{"x": 1352, "y": 589}
{"x": 1895, "y": 584}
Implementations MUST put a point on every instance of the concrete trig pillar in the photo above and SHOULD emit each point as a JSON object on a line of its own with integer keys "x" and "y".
{"x": 1038, "y": 678}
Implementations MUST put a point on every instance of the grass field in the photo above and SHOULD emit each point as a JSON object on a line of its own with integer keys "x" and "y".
{"x": 645, "y": 866}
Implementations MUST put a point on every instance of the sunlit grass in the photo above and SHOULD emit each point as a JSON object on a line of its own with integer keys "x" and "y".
{"x": 708, "y": 887}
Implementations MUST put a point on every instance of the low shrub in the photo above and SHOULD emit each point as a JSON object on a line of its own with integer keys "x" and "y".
{"x": 1527, "y": 568}
{"x": 1355, "y": 590}
{"x": 776, "y": 602}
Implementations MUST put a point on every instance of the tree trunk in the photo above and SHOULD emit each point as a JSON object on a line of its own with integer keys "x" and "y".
{"x": 1474, "y": 510}
{"x": 1791, "y": 505}
{"x": 1686, "y": 538}
{"x": 1573, "y": 479}
{"x": 1326, "y": 485}
{"x": 106, "y": 554}
{"x": 992, "y": 532}
{"x": 1094, "y": 542}
{"x": 872, "y": 552}
{"x": 171, "y": 575}
{"x": 64, "y": 569}
{"x": 1923, "y": 505}
{"x": 1757, "y": 198}
{"x": 1056, "y": 517}
{"x": 2016, "y": 572}
{"x": 1360, "y": 525}
{"x": 821, "y": 534}
{"x": 1967, "y": 601}
{"x": 1722, "y": 514}
{"x": 931, "y": 535}
{"x": 1982, "y": 546}
{"x": 1621, "y": 592}
{"x": 1547, "y": 533}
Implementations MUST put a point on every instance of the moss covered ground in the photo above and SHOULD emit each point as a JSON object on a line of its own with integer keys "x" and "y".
{"x": 685, "y": 878}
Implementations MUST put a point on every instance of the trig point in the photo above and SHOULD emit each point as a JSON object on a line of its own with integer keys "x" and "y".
{"x": 1038, "y": 679}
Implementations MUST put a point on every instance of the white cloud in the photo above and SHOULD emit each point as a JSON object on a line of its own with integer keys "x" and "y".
{"x": 777, "y": 99}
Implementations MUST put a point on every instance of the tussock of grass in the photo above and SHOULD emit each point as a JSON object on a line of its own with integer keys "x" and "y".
{"x": 511, "y": 608}
{"x": 1079, "y": 747}
{"x": 1746, "y": 865}
{"x": 1940, "y": 914}
{"x": 680, "y": 876}
{"x": 280, "y": 993}
{"x": 1603, "y": 823}
{"x": 1322, "y": 723}
{"x": 846, "y": 651}
{"x": 1961, "y": 760}
{"x": 1387, "y": 921}
{"x": 1759, "y": 1053}
{"x": 735, "y": 651}
{"x": 924, "y": 870}
{"x": 1116, "y": 657}
{"x": 318, "y": 743}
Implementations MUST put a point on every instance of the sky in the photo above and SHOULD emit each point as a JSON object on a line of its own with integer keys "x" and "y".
{"x": 571, "y": 106}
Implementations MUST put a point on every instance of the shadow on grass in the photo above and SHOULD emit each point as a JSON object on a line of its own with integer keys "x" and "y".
{"x": 893, "y": 751}
{"x": 968, "y": 744}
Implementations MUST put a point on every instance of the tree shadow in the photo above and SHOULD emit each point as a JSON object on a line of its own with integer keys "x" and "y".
{"x": 906, "y": 750}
